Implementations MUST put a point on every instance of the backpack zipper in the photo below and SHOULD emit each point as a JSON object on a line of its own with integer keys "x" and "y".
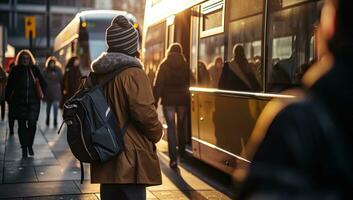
{"x": 82, "y": 138}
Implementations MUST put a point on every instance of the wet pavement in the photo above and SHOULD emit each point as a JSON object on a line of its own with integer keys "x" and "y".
{"x": 54, "y": 173}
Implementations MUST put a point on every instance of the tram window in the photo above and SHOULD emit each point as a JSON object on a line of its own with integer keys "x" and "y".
{"x": 211, "y": 56}
{"x": 243, "y": 72}
{"x": 154, "y": 49}
{"x": 212, "y": 20}
{"x": 290, "y": 41}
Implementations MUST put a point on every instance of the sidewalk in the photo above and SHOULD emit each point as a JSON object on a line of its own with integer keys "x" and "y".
{"x": 53, "y": 172}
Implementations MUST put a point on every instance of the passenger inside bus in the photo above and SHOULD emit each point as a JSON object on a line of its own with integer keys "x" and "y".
{"x": 239, "y": 74}
{"x": 203, "y": 75}
{"x": 215, "y": 71}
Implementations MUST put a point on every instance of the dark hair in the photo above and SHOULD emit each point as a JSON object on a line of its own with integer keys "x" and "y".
{"x": 175, "y": 48}
{"x": 71, "y": 61}
{"x": 342, "y": 42}
{"x": 239, "y": 56}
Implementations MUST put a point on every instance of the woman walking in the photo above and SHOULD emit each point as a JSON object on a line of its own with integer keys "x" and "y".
{"x": 172, "y": 86}
{"x": 3, "y": 80}
{"x": 53, "y": 77}
{"x": 71, "y": 80}
{"x": 21, "y": 91}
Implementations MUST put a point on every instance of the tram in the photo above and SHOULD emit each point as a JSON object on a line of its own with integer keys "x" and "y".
{"x": 276, "y": 41}
{"x": 84, "y": 36}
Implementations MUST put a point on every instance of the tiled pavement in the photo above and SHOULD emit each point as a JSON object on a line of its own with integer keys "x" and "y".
{"x": 53, "y": 173}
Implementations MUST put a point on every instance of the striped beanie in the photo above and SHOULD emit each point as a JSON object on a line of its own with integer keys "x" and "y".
{"x": 122, "y": 37}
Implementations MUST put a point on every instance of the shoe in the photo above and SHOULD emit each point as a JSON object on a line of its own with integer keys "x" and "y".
{"x": 24, "y": 153}
{"x": 30, "y": 151}
{"x": 55, "y": 124}
{"x": 47, "y": 122}
{"x": 173, "y": 164}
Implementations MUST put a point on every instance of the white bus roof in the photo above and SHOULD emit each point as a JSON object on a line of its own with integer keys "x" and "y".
{"x": 158, "y": 10}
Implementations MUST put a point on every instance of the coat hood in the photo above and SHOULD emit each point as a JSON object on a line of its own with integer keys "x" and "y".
{"x": 176, "y": 61}
{"x": 110, "y": 61}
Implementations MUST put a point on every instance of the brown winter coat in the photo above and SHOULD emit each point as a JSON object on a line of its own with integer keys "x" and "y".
{"x": 130, "y": 94}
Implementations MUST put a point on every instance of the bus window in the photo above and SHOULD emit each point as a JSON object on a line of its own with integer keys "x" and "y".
{"x": 244, "y": 69}
{"x": 211, "y": 55}
{"x": 290, "y": 40}
{"x": 154, "y": 49}
{"x": 212, "y": 18}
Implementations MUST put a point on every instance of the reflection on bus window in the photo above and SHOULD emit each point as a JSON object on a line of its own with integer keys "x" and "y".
{"x": 211, "y": 48}
{"x": 215, "y": 71}
{"x": 239, "y": 74}
{"x": 245, "y": 31}
{"x": 154, "y": 49}
{"x": 291, "y": 43}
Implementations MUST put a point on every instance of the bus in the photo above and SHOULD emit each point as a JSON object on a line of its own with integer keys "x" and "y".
{"x": 84, "y": 36}
{"x": 278, "y": 40}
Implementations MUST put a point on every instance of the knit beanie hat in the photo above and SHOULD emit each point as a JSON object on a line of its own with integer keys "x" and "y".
{"x": 122, "y": 37}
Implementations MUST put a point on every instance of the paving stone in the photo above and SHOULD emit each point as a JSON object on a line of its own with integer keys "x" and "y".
{"x": 32, "y": 162}
{"x": 38, "y": 189}
{"x": 20, "y": 175}
{"x": 87, "y": 187}
{"x": 66, "y": 197}
{"x": 187, "y": 194}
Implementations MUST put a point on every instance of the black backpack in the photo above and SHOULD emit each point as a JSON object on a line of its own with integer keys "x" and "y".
{"x": 92, "y": 131}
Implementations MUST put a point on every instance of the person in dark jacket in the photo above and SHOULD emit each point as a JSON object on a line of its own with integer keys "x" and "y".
{"x": 307, "y": 150}
{"x": 3, "y": 81}
{"x": 238, "y": 74}
{"x": 172, "y": 86}
{"x": 10, "y": 115}
{"x": 130, "y": 97}
{"x": 53, "y": 77}
{"x": 21, "y": 92}
{"x": 71, "y": 79}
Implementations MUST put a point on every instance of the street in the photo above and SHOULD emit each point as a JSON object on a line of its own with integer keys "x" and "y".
{"x": 53, "y": 172}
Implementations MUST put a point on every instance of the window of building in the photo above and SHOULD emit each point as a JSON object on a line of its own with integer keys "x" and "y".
{"x": 4, "y": 18}
{"x": 290, "y": 41}
{"x": 39, "y": 2}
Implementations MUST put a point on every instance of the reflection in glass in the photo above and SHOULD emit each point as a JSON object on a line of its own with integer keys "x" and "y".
{"x": 291, "y": 46}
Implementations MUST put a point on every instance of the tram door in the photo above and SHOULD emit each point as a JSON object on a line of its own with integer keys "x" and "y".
{"x": 178, "y": 30}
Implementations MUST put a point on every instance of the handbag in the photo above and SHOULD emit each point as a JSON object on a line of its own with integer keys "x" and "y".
{"x": 37, "y": 86}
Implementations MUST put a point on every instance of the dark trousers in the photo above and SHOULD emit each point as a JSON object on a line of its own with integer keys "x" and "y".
{"x": 2, "y": 108}
{"x": 26, "y": 132}
{"x": 169, "y": 114}
{"x": 55, "y": 105}
{"x": 11, "y": 123}
{"x": 123, "y": 191}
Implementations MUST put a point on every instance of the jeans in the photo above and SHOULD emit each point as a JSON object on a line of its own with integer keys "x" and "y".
{"x": 169, "y": 114}
{"x": 2, "y": 108}
{"x": 123, "y": 191}
{"x": 26, "y": 132}
{"x": 55, "y": 105}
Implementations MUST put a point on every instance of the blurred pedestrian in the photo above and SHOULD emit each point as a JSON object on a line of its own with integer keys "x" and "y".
{"x": 3, "y": 81}
{"x": 53, "y": 77}
{"x": 215, "y": 71}
{"x": 21, "y": 92}
{"x": 10, "y": 115}
{"x": 172, "y": 86}
{"x": 71, "y": 79}
{"x": 307, "y": 150}
{"x": 130, "y": 96}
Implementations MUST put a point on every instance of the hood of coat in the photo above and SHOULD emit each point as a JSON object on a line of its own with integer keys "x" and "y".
{"x": 108, "y": 62}
{"x": 176, "y": 61}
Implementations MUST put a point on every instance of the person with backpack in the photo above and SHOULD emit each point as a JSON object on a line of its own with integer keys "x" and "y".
{"x": 172, "y": 86}
{"x": 22, "y": 92}
{"x": 130, "y": 99}
{"x": 306, "y": 151}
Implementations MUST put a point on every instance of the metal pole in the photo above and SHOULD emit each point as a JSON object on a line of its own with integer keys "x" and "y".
{"x": 31, "y": 41}
{"x": 48, "y": 25}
